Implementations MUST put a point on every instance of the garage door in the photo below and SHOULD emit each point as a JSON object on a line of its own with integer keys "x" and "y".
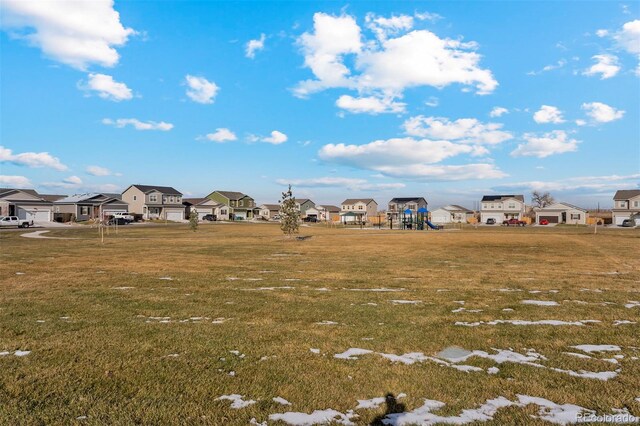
{"x": 441, "y": 218}
{"x": 499, "y": 217}
{"x": 176, "y": 215}
{"x": 39, "y": 215}
{"x": 550, "y": 219}
{"x": 619, "y": 219}
{"x": 240, "y": 215}
{"x": 203, "y": 213}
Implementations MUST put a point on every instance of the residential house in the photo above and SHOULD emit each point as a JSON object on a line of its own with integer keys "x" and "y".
{"x": 304, "y": 204}
{"x": 81, "y": 207}
{"x": 452, "y": 213}
{"x": 239, "y": 205}
{"x": 26, "y": 204}
{"x": 502, "y": 207}
{"x": 154, "y": 202}
{"x": 358, "y": 210}
{"x": 269, "y": 211}
{"x": 562, "y": 213}
{"x": 203, "y": 207}
{"x": 327, "y": 213}
{"x": 626, "y": 205}
{"x": 401, "y": 208}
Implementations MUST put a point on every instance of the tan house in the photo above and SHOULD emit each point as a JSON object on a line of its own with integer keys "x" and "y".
{"x": 26, "y": 204}
{"x": 451, "y": 214}
{"x": 356, "y": 210}
{"x": 502, "y": 207}
{"x": 203, "y": 207}
{"x": 626, "y": 205}
{"x": 269, "y": 211}
{"x": 155, "y": 202}
{"x": 328, "y": 213}
{"x": 562, "y": 213}
{"x": 82, "y": 207}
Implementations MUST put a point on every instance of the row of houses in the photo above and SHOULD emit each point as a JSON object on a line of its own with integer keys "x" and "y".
{"x": 166, "y": 203}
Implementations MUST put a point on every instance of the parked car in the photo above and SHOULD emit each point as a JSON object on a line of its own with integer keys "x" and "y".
{"x": 118, "y": 221}
{"x": 628, "y": 223}
{"x": 276, "y": 217}
{"x": 543, "y": 222}
{"x": 491, "y": 221}
{"x": 126, "y": 216}
{"x": 8, "y": 221}
{"x": 514, "y": 222}
{"x": 312, "y": 219}
{"x": 209, "y": 217}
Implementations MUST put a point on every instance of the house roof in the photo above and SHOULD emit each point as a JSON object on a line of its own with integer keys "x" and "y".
{"x": 358, "y": 200}
{"x": 455, "y": 208}
{"x": 28, "y": 191}
{"x": 555, "y": 207}
{"x": 232, "y": 195}
{"x": 95, "y": 197}
{"x": 302, "y": 200}
{"x": 197, "y": 201}
{"x": 502, "y": 197}
{"x": 403, "y": 200}
{"x": 270, "y": 206}
{"x": 163, "y": 189}
{"x": 329, "y": 208}
{"x": 625, "y": 194}
{"x": 55, "y": 197}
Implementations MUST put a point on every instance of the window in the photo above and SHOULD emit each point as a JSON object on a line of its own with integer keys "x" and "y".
{"x": 484, "y": 206}
{"x": 622, "y": 204}
{"x": 360, "y": 207}
{"x": 153, "y": 198}
{"x": 164, "y": 200}
{"x": 134, "y": 198}
{"x": 512, "y": 205}
{"x": 57, "y": 209}
{"x": 575, "y": 216}
{"x": 171, "y": 199}
{"x": 636, "y": 204}
{"x": 177, "y": 199}
{"x": 492, "y": 205}
{"x": 240, "y": 203}
{"x": 84, "y": 210}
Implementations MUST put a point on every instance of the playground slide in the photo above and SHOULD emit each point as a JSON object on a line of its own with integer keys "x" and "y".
{"x": 431, "y": 225}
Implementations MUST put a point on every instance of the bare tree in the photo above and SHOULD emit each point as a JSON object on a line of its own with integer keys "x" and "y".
{"x": 540, "y": 199}
{"x": 289, "y": 214}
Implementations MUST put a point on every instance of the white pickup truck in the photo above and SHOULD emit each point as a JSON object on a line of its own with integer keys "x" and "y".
{"x": 7, "y": 221}
{"x": 126, "y": 216}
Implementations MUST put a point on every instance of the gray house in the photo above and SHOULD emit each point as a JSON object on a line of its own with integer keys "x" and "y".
{"x": 89, "y": 206}
{"x": 27, "y": 204}
{"x": 398, "y": 206}
{"x": 154, "y": 202}
{"x": 626, "y": 205}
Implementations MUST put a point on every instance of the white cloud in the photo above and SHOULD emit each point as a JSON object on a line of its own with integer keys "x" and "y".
{"x": 629, "y": 37}
{"x": 73, "y": 180}
{"x": 463, "y": 130}
{"x": 398, "y": 58}
{"x": 221, "y": 134}
{"x": 138, "y": 125}
{"x": 443, "y": 172}
{"x": 548, "y": 114}
{"x": 606, "y": 66}
{"x": 602, "y": 113}
{"x": 107, "y": 87}
{"x": 254, "y": 45}
{"x": 98, "y": 171}
{"x": 31, "y": 159}
{"x": 582, "y": 183}
{"x": 560, "y": 64}
{"x": 432, "y": 102}
{"x": 581, "y": 122}
{"x": 370, "y": 105}
{"x": 76, "y": 33}
{"x": 602, "y": 33}
{"x": 201, "y": 90}
{"x": 555, "y": 142}
{"x": 276, "y": 138}
{"x": 14, "y": 181}
{"x": 353, "y": 184}
{"x": 498, "y": 112}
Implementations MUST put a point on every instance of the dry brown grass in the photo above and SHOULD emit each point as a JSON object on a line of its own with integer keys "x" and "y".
{"x": 107, "y": 363}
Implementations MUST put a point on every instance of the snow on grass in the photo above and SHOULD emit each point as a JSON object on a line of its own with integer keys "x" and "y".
{"x": 406, "y": 302}
{"x": 539, "y": 302}
{"x": 15, "y": 353}
{"x": 314, "y": 350}
{"x": 285, "y": 287}
{"x": 19, "y": 273}
{"x": 237, "y": 353}
{"x": 524, "y": 322}
{"x": 237, "y": 401}
{"x": 325, "y": 322}
{"x": 597, "y": 348}
{"x": 316, "y": 417}
{"x": 281, "y": 401}
{"x": 370, "y": 403}
{"x": 493, "y": 370}
{"x": 166, "y": 278}
{"x": 352, "y": 353}
{"x": 508, "y": 290}
{"x": 573, "y": 354}
{"x": 632, "y": 304}
{"x": 621, "y": 322}
{"x": 466, "y": 310}
{"x": 380, "y": 290}
{"x": 122, "y": 288}
{"x": 322, "y": 289}
{"x": 220, "y": 320}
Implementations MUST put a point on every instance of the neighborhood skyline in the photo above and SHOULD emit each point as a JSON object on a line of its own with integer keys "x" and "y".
{"x": 342, "y": 100}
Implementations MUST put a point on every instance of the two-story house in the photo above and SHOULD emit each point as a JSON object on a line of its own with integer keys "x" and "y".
{"x": 502, "y": 207}
{"x": 240, "y": 206}
{"x": 626, "y": 205}
{"x": 304, "y": 204}
{"x": 154, "y": 202}
{"x": 399, "y": 208}
{"x": 358, "y": 209}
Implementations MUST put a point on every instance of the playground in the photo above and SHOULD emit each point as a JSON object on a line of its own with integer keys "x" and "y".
{"x": 236, "y": 324}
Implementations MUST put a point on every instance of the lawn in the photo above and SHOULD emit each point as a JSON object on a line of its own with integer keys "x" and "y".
{"x": 156, "y": 324}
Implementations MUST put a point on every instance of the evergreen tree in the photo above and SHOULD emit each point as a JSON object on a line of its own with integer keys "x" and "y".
{"x": 193, "y": 220}
{"x": 289, "y": 214}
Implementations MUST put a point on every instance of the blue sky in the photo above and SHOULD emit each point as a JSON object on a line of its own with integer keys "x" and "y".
{"x": 446, "y": 100}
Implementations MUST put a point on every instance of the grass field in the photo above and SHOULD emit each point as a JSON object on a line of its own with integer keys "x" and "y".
{"x": 141, "y": 329}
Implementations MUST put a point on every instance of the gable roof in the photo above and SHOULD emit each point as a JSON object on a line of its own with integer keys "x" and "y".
{"x": 329, "y": 208}
{"x": 28, "y": 191}
{"x": 502, "y": 197}
{"x": 625, "y": 194}
{"x": 94, "y": 197}
{"x": 557, "y": 206}
{"x": 232, "y": 195}
{"x": 149, "y": 188}
{"x": 270, "y": 206}
{"x": 403, "y": 200}
{"x": 456, "y": 208}
{"x": 198, "y": 201}
{"x": 302, "y": 200}
{"x": 54, "y": 197}
{"x": 358, "y": 200}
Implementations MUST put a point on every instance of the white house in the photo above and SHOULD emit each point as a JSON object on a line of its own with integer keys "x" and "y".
{"x": 203, "y": 207}
{"x": 451, "y": 214}
{"x": 562, "y": 213}
{"x": 27, "y": 204}
{"x": 626, "y": 203}
{"x": 358, "y": 209}
{"x": 502, "y": 207}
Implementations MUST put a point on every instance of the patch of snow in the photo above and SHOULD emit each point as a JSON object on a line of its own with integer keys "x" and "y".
{"x": 493, "y": 370}
{"x": 380, "y": 290}
{"x": 466, "y": 310}
{"x": 314, "y": 350}
{"x": 4, "y": 353}
{"x": 281, "y": 401}
{"x": 122, "y": 288}
{"x": 237, "y": 353}
{"x": 352, "y": 353}
{"x": 508, "y": 290}
{"x": 406, "y": 302}
{"x": 166, "y": 278}
{"x": 597, "y": 348}
{"x": 578, "y": 355}
{"x": 21, "y": 353}
{"x": 325, "y": 322}
{"x": 539, "y": 302}
{"x": 19, "y": 273}
{"x": 271, "y": 288}
{"x": 316, "y": 417}
{"x": 524, "y": 322}
{"x": 254, "y": 422}
{"x": 237, "y": 401}
{"x": 322, "y": 289}
{"x": 508, "y": 310}
{"x": 632, "y": 304}
{"x": 370, "y": 403}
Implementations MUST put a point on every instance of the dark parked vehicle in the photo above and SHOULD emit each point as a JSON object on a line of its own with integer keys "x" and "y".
{"x": 118, "y": 221}
{"x": 491, "y": 221}
{"x": 209, "y": 217}
{"x": 628, "y": 223}
{"x": 312, "y": 219}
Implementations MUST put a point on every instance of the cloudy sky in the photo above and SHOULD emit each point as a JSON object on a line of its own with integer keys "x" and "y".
{"x": 446, "y": 100}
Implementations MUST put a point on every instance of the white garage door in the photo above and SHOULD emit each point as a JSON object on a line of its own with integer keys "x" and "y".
{"x": 499, "y": 217}
{"x": 619, "y": 219}
{"x": 174, "y": 215}
{"x": 441, "y": 218}
{"x": 240, "y": 215}
{"x": 39, "y": 215}
{"x": 203, "y": 213}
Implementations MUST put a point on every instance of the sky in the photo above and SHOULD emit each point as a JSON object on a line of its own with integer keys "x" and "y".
{"x": 443, "y": 100}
